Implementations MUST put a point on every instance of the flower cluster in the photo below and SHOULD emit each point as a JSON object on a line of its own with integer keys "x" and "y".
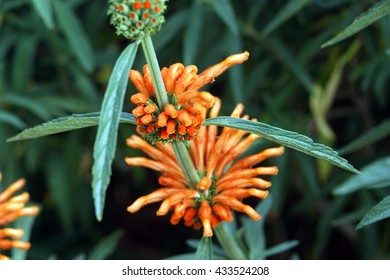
{"x": 182, "y": 118}
{"x": 224, "y": 183}
{"x": 11, "y": 209}
{"x": 137, "y": 19}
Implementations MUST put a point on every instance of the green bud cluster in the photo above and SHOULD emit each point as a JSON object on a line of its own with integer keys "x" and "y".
{"x": 137, "y": 19}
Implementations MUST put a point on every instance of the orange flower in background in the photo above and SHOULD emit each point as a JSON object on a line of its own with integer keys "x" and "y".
{"x": 183, "y": 117}
{"x": 224, "y": 184}
{"x": 11, "y": 209}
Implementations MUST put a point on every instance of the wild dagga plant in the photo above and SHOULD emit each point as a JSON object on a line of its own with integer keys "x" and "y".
{"x": 111, "y": 115}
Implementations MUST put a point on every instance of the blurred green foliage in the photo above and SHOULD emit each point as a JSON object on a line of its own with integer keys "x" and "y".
{"x": 56, "y": 58}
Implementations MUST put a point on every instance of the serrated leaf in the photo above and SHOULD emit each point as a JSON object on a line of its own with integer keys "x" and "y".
{"x": 205, "y": 249}
{"x": 64, "y": 124}
{"x": 106, "y": 246}
{"x": 44, "y": 9}
{"x": 374, "y": 175}
{"x": 378, "y": 212}
{"x": 105, "y": 143}
{"x": 289, "y": 9}
{"x": 285, "y": 138}
{"x": 75, "y": 35}
{"x": 375, "y": 134}
{"x": 378, "y": 11}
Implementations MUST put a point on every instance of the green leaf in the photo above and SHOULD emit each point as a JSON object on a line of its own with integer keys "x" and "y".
{"x": 378, "y": 212}
{"x": 74, "y": 33}
{"x": 106, "y": 246}
{"x": 289, "y": 9}
{"x": 224, "y": 9}
{"x": 374, "y": 175}
{"x": 281, "y": 248}
{"x": 285, "y": 138}
{"x": 27, "y": 103}
{"x": 254, "y": 231}
{"x": 44, "y": 8}
{"x": 25, "y": 223}
{"x": 378, "y": 11}
{"x": 63, "y": 124}
{"x": 192, "y": 36}
{"x": 375, "y": 134}
{"x": 9, "y": 118}
{"x": 23, "y": 62}
{"x": 205, "y": 249}
{"x": 170, "y": 29}
{"x": 105, "y": 143}
{"x": 284, "y": 54}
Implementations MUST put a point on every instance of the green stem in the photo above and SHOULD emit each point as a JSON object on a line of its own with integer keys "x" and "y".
{"x": 154, "y": 68}
{"x": 179, "y": 148}
{"x": 186, "y": 164}
{"x": 228, "y": 242}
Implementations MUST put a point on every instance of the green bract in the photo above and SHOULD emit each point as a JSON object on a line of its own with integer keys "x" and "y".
{"x": 137, "y": 19}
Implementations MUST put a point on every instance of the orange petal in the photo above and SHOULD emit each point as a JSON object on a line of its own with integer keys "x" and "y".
{"x": 138, "y": 80}
{"x": 139, "y": 99}
{"x": 233, "y": 153}
{"x": 150, "y": 108}
{"x": 241, "y": 193}
{"x": 204, "y": 214}
{"x": 236, "y": 205}
{"x": 175, "y": 70}
{"x": 171, "y": 182}
{"x": 170, "y": 110}
{"x": 212, "y": 72}
{"x": 184, "y": 117}
{"x": 243, "y": 183}
{"x": 223, "y": 212}
{"x": 255, "y": 159}
{"x": 204, "y": 184}
{"x": 14, "y": 187}
{"x": 250, "y": 172}
{"x": 156, "y": 196}
{"x": 186, "y": 78}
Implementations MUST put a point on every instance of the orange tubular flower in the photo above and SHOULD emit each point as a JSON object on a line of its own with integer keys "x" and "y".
{"x": 182, "y": 118}
{"x": 11, "y": 209}
{"x": 224, "y": 183}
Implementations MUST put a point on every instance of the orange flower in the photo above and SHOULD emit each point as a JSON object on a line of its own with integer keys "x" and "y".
{"x": 182, "y": 118}
{"x": 11, "y": 209}
{"x": 224, "y": 184}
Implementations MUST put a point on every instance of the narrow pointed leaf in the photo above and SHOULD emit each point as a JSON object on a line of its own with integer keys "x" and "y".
{"x": 24, "y": 223}
{"x": 281, "y": 248}
{"x": 105, "y": 143}
{"x": 205, "y": 249}
{"x": 224, "y": 9}
{"x": 374, "y": 175}
{"x": 63, "y": 124}
{"x": 375, "y": 134}
{"x": 45, "y": 10}
{"x": 378, "y": 11}
{"x": 285, "y": 138}
{"x": 75, "y": 34}
{"x": 289, "y": 9}
{"x": 378, "y": 212}
{"x": 106, "y": 246}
